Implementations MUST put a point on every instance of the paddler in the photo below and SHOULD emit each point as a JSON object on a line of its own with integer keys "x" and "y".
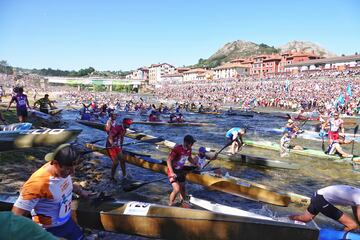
{"x": 44, "y": 104}
{"x": 154, "y": 117}
{"x": 235, "y": 136}
{"x": 285, "y": 143}
{"x": 334, "y": 125}
{"x": 111, "y": 122}
{"x": 175, "y": 163}
{"x": 180, "y": 118}
{"x": 292, "y": 128}
{"x": 201, "y": 158}
{"x": 85, "y": 112}
{"x": 114, "y": 146}
{"x": 335, "y": 147}
{"x": 47, "y": 194}
{"x": 173, "y": 118}
{"x": 323, "y": 201}
{"x": 22, "y": 103}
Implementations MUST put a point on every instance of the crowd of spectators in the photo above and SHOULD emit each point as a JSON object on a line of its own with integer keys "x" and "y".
{"x": 308, "y": 90}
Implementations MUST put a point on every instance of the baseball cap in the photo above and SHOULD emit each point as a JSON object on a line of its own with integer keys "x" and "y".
{"x": 65, "y": 155}
{"x": 202, "y": 149}
{"x": 189, "y": 139}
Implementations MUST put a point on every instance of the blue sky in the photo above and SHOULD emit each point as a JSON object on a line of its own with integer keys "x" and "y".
{"x": 124, "y": 35}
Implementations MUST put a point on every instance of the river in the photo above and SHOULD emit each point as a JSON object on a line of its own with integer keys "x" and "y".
{"x": 312, "y": 175}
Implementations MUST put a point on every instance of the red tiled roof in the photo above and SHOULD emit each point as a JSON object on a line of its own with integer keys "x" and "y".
{"x": 195, "y": 70}
{"x": 237, "y": 60}
{"x": 230, "y": 65}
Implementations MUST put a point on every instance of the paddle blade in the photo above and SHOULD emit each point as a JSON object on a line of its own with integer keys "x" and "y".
{"x": 135, "y": 185}
{"x": 356, "y": 129}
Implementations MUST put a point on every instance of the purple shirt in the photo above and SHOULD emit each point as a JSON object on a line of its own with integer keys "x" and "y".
{"x": 20, "y": 100}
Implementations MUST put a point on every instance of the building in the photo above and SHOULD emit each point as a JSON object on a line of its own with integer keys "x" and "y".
{"x": 288, "y": 58}
{"x": 156, "y": 71}
{"x": 173, "y": 78}
{"x": 257, "y": 65}
{"x": 337, "y": 63}
{"x": 182, "y": 70}
{"x": 139, "y": 74}
{"x": 195, "y": 74}
{"x": 234, "y": 69}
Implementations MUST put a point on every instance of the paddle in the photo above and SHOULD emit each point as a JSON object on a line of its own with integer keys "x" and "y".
{"x": 152, "y": 140}
{"x": 218, "y": 152}
{"x": 322, "y": 142}
{"x": 352, "y": 147}
{"x": 136, "y": 185}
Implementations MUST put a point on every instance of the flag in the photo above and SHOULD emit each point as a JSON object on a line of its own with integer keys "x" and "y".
{"x": 340, "y": 100}
{"x": 287, "y": 85}
{"x": 348, "y": 93}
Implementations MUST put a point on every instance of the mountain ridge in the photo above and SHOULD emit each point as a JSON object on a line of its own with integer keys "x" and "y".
{"x": 245, "y": 49}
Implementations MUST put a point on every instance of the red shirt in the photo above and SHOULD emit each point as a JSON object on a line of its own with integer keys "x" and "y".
{"x": 179, "y": 155}
{"x": 117, "y": 133}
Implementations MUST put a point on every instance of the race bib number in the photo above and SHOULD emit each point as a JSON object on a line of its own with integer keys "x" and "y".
{"x": 22, "y": 102}
{"x": 137, "y": 208}
{"x": 182, "y": 161}
{"x": 65, "y": 207}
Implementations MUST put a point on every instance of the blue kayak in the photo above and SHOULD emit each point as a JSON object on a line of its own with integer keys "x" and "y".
{"x": 331, "y": 234}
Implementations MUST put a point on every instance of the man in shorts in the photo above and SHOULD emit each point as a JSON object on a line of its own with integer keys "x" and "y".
{"x": 176, "y": 166}
{"x": 22, "y": 103}
{"x": 323, "y": 201}
{"x": 114, "y": 146}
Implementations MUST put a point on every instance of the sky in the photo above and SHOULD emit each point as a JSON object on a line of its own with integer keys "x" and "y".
{"x": 125, "y": 35}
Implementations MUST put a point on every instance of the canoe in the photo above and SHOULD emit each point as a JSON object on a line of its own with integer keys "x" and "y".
{"x": 164, "y": 222}
{"x": 56, "y": 111}
{"x": 15, "y": 127}
{"x": 253, "y": 160}
{"x": 178, "y": 124}
{"x": 239, "y": 113}
{"x": 325, "y": 234}
{"x": 43, "y": 116}
{"x": 208, "y": 112}
{"x": 241, "y": 158}
{"x": 232, "y": 185}
{"x": 19, "y": 139}
{"x": 315, "y": 136}
{"x": 92, "y": 124}
{"x": 305, "y": 152}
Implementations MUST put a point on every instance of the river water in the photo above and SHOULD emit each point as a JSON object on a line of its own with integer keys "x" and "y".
{"x": 312, "y": 175}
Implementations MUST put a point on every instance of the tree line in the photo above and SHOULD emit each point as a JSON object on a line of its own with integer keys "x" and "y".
{"x": 90, "y": 71}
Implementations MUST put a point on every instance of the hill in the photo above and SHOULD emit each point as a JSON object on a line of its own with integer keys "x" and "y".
{"x": 244, "y": 49}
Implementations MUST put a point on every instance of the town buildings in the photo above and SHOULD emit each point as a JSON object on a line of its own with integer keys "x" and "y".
{"x": 257, "y": 66}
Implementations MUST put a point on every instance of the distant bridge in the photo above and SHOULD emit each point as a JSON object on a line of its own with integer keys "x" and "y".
{"x": 94, "y": 81}
{"x": 97, "y": 81}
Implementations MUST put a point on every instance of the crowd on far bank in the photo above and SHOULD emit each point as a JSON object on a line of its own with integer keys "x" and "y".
{"x": 309, "y": 90}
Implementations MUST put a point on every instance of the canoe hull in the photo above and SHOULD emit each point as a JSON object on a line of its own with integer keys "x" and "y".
{"x": 306, "y": 152}
{"x": 156, "y": 221}
{"x": 12, "y": 140}
{"x": 177, "y": 124}
{"x": 238, "y": 187}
